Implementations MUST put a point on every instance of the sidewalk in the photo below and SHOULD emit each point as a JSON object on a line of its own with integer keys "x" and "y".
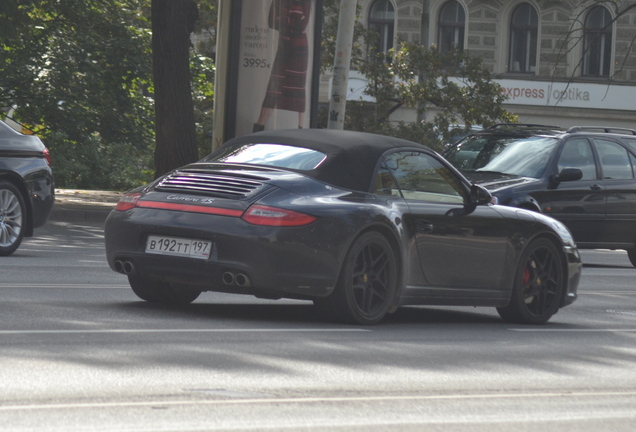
{"x": 83, "y": 205}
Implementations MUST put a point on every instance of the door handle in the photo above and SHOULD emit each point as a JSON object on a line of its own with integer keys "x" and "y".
{"x": 596, "y": 187}
{"x": 424, "y": 226}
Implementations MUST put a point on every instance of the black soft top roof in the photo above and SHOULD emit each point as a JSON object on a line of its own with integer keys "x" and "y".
{"x": 351, "y": 156}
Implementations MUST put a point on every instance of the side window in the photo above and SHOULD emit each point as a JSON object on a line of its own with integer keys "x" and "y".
{"x": 615, "y": 160}
{"x": 452, "y": 23}
{"x": 422, "y": 177}
{"x": 630, "y": 142}
{"x": 577, "y": 153}
{"x": 385, "y": 184}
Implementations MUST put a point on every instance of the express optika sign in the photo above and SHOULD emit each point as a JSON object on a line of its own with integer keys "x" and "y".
{"x": 572, "y": 95}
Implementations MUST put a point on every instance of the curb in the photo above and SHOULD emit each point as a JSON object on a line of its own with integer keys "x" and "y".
{"x": 78, "y": 205}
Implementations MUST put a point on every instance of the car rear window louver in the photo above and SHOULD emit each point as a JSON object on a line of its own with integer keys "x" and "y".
{"x": 210, "y": 184}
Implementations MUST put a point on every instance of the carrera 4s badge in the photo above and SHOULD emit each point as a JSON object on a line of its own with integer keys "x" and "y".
{"x": 191, "y": 199}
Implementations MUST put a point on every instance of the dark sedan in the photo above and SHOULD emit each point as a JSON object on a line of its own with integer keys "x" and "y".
{"x": 585, "y": 177}
{"x": 358, "y": 223}
{"x": 26, "y": 187}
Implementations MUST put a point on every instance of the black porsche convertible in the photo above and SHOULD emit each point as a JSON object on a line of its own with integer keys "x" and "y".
{"x": 360, "y": 224}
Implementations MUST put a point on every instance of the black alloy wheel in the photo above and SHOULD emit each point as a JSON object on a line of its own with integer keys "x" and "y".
{"x": 162, "y": 292}
{"x": 12, "y": 218}
{"x": 368, "y": 281}
{"x": 539, "y": 285}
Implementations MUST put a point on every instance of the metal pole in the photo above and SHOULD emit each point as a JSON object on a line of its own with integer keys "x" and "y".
{"x": 424, "y": 30}
{"x": 342, "y": 62}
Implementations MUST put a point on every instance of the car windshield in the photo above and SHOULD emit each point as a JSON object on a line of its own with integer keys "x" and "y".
{"x": 275, "y": 155}
{"x": 525, "y": 157}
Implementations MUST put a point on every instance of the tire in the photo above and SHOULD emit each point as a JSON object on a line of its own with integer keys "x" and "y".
{"x": 162, "y": 292}
{"x": 538, "y": 286}
{"x": 367, "y": 283}
{"x": 12, "y": 218}
{"x": 631, "y": 253}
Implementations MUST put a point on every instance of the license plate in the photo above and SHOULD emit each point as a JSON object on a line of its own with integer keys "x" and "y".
{"x": 177, "y": 246}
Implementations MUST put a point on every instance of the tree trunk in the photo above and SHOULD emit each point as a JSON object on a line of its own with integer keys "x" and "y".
{"x": 172, "y": 23}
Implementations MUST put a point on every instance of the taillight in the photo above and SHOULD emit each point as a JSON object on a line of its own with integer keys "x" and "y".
{"x": 47, "y": 156}
{"x": 272, "y": 216}
{"x": 127, "y": 202}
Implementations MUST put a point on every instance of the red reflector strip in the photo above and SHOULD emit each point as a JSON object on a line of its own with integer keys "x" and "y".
{"x": 189, "y": 208}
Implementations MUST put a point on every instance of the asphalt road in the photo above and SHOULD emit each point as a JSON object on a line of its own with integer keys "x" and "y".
{"x": 81, "y": 353}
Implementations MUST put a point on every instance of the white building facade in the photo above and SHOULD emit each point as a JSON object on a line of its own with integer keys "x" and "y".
{"x": 562, "y": 63}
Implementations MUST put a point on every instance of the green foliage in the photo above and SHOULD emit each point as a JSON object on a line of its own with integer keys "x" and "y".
{"x": 80, "y": 72}
{"x": 94, "y": 164}
{"x": 203, "y": 72}
{"x": 455, "y": 86}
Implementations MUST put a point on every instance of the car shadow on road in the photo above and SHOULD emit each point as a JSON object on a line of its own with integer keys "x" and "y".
{"x": 306, "y": 313}
{"x": 626, "y": 267}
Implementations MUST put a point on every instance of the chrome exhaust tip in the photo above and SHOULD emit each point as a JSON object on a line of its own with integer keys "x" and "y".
{"x": 242, "y": 280}
{"x": 129, "y": 268}
{"x": 228, "y": 278}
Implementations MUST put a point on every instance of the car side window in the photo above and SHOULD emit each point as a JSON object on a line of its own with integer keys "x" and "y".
{"x": 615, "y": 160}
{"x": 577, "y": 153}
{"x": 385, "y": 184}
{"x": 630, "y": 142}
{"x": 422, "y": 177}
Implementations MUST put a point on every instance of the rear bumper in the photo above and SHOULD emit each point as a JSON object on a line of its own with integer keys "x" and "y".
{"x": 277, "y": 262}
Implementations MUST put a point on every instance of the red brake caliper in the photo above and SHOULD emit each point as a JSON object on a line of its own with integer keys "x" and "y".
{"x": 526, "y": 276}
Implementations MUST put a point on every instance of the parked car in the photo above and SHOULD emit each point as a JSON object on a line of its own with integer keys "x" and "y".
{"x": 27, "y": 190}
{"x": 359, "y": 223}
{"x": 583, "y": 176}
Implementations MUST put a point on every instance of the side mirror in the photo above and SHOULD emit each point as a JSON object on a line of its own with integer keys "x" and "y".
{"x": 479, "y": 195}
{"x": 569, "y": 174}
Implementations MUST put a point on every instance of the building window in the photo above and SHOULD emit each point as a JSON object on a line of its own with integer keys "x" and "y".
{"x": 524, "y": 28}
{"x": 452, "y": 21}
{"x": 597, "y": 43}
{"x": 382, "y": 23}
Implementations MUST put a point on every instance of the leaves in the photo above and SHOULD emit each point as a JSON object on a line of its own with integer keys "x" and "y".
{"x": 80, "y": 70}
{"x": 454, "y": 85}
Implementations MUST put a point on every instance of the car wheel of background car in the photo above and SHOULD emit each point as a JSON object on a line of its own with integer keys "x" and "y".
{"x": 538, "y": 285}
{"x": 12, "y": 217}
{"x": 161, "y": 292}
{"x": 631, "y": 253}
{"x": 368, "y": 281}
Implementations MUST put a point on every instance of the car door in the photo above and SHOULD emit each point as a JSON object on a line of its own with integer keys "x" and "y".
{"x": 617, "y": 166}
{"x": 456, "y": 248}
{"x": 580, "y": 204}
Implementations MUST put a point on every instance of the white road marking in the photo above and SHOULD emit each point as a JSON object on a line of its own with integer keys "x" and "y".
{"x": 69, "y": 286}
{"x": 139, "y": 331}
{"x": 312, "y": 400}
{"x": 572, "y": 330}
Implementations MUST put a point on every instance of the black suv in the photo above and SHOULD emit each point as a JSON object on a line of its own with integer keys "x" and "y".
{"x": 583, "y": 176}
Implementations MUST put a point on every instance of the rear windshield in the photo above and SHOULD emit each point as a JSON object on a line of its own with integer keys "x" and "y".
{"x": 274, "y": 155}
{"x": 526, "y": 157}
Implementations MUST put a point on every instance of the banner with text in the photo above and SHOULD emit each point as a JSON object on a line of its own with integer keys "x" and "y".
{"x": 569, "y": 95}
{"x": 275, "y": 59}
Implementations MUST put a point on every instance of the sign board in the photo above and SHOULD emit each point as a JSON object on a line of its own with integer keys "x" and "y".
{"x": 569, "y": 95}
{"x": 273, "y": 65}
